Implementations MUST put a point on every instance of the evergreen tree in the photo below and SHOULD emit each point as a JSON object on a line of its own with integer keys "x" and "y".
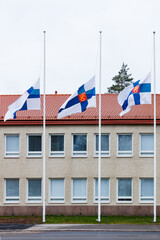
{"x": 122, "y": 80}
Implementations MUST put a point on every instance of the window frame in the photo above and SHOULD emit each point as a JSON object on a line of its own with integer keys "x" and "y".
{"x": 103, "y": 153}
{"x": 56, "y": 153}
{"x": 145, "y": 152}
{"x": 14, "y": 199}
{"x": 73, "y": 199}
{"x": 35, "y": 199}
{"x": 33, "y": 154}
{"x": 9, "y": 154}
{"x": 102, "y": 198}
{"x": 124, "y": 154}
{"x": 141, "y": 198}
{"x": 80, "y": 154}
{"x": 51, "y": 199}
{"x": 119, "y": 198}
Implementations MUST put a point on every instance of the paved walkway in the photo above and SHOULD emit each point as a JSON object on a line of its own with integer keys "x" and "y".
{"x": 93, "y": 227}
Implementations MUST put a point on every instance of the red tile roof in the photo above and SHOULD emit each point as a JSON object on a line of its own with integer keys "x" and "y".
{"x": 110, "y": 111}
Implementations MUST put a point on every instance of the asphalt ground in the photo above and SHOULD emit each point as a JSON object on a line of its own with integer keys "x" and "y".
{"x": 78, "y": 227}
{"x": 79, "y": 235}
{"x": 14, "y": 227}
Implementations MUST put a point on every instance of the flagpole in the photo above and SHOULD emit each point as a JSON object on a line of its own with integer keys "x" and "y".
{"x": 99, "y": 158}
{"x": 155, "y": 175}
{"x": 44, "y": 129}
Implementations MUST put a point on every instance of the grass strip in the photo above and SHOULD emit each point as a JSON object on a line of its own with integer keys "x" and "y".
{"x": 52, "y": 219}
{"x": 104, "y": 219}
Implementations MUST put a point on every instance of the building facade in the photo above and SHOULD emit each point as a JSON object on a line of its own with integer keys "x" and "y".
{"x": 127, "y": 160}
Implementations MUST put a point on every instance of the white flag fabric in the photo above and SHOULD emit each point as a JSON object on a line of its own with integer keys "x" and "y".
{"x": 30, "y": 100}
{"x": 135, "y": 94}
{"x": 82, "y": 99}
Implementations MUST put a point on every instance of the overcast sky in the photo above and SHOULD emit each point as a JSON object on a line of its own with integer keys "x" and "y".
{"x": 72, "y": 42}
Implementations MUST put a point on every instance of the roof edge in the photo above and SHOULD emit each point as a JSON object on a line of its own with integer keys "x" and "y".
{"x": 80, "y": 122}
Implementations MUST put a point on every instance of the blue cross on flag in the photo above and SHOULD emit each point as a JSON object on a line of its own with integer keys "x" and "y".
{"x": 135, "y": 94}
{"x": 82, "y": 99}
{"x": 30, "y": 100}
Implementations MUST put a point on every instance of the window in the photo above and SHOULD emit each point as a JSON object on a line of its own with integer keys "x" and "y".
{"x": 125, "y": 190}
{"x": 57, "y": 190}
{"x": 104, "y": 145}
{"x": 104, "y": 190}
{"x": 12, "y": 145}
{"x": 79, "y": 190}
{"x": 34, "y": 145}
{"x": 80, "y": 145}
{"x": 34, "y": 190}
{"x": 12, "y": 190}
{"x": 146, "y": 190}
{"x": 147, "y": 145}
{"x": 124, "y": 144}
{"x": 57, "y": 145}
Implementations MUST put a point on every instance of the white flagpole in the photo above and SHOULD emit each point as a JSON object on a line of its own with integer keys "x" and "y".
{"x": 99, "y": 158}
{"x": 44, "y": 130}
{"x": 155, "y": 175}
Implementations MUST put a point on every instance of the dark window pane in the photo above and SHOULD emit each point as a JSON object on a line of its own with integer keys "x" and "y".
{"x": 34, "y": 143}
{"x": 104, "y": 142}
{"x": 124, "y": 187}
{"x": 79, "y": 143}
{"x": 125, "y": 142}
{"x": 12, "y": 187}
{"x": 57, "y": 143}
{"x": 34, "y": 187}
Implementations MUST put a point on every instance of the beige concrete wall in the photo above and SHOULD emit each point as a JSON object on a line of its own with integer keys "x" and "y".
{"x": 69, "y": 167}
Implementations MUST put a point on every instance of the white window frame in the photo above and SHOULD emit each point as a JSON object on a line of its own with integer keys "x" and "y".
{"x": 80, "y": 153}
{"x": 74, "y": 199}
{"x": 145, "y": 153}
{"x": 56, "y": 199}
{"x": 56, "y": 153}
{"x": 130, "y": 199}
{"x": 34, "y": 199}
{"x": 103, "y": 153}
{"x": 149, "y": 199}
{"x": 13, "y": 199}
{"x": 124, "y": 153}
{"x": 105, "y": 199}
{"x": 34, "y": 154}
{"x": 14, "y": 154}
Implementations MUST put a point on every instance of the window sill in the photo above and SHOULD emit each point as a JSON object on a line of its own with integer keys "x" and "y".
{"x": 12, "y": 202}
{"x": 124, "y": 202}
{"x": 51, "y": 156}
{"x": 34, "y": 202}
{"x": 102, "y": 202}
{"x": 146, "y": 202}
{"x": 79, "y": 202}
{"x": 146, "y": 156}
{"x": 124, "y": 156}
{"x": 102, "y": 156}
{"x": 56, "y": 202}
{"x": 79, "y": 156}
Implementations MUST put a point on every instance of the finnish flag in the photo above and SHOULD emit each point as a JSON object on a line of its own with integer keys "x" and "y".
{"x": 30, "y": 100}
{"x": 135, "y": 94}
{"x": 82, "y": 99}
